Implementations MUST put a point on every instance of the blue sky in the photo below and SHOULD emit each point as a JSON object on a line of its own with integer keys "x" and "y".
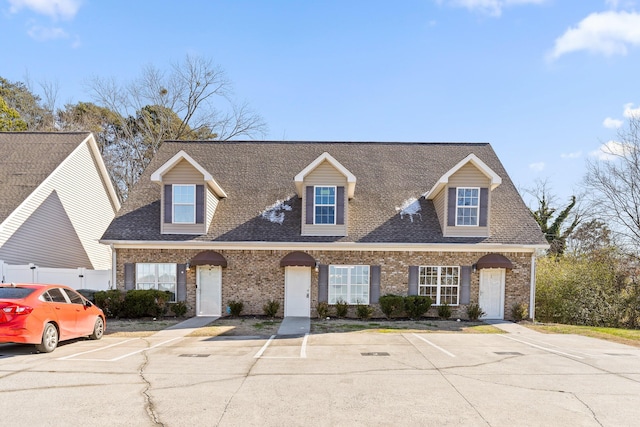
{"x": 546, "y": 82}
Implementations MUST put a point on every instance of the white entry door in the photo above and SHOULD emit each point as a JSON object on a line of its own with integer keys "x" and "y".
{"x": 209, "y": 292}
{"x": 491, "y": 298}
{"x": 297, "y": 290}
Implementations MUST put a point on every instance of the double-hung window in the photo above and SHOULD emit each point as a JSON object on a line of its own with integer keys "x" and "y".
{"x": 467, "y": 206}
{"x": 324, "y": 205}
{"x": 349, "y": 283}
{"x": 184, "y": 204}
{"x": 441, "y": 284}
{"x": 160, "y": 276}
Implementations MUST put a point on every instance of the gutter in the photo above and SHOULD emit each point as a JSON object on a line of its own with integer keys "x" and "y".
{"x": 327, "y": 246}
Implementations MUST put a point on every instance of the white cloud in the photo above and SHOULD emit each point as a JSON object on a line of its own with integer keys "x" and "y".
{"x": 630, "y": 112}
{"x": 65, "y": 9}
{"x": 574, "y": 155}
{"x": 41, "y": 34}
{"x": 611, "y": 150}
{"x": 490, "y": 7}
{"x": 537, "y": 167}
{"x": 607, "y": 33}
{"x": 611, "y": 123}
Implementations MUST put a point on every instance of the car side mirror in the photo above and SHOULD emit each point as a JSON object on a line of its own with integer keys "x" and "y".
{"x": 88, "y": 303}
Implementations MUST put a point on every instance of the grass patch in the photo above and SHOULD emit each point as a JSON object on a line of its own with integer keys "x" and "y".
{"x": 619, "y": 335}
{"x": 404, "y": 326}
{"x": 267, "y": 324}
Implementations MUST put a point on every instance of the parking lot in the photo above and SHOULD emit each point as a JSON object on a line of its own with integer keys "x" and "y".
{"x": 357, "y": 378}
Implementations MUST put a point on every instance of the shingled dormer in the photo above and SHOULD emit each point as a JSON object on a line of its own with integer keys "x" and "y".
{"x": 462, "y": 198}
{"x": 325, "y": 186}
{"x": 189, "y": 195}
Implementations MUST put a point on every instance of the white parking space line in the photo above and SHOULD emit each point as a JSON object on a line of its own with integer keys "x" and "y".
{"x": 303, "y": 350}
{"x": 144, "y": 349}
{"x": 115, "y": 359}
{"x": 71, "y": 356}
{"x": 264, "y": 348}
{"x": 541, "y": 347}
{"x": 434, "y": 345}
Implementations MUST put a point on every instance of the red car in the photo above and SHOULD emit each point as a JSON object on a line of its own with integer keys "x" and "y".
{"x": 46, "y": 314}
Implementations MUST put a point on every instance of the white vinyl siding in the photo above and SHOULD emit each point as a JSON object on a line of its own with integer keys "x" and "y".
{"x": 325, "y": 175}
{"x": 211, "y": 205}
{"x": 183, "y": 174}
{"x": 88, "y": 209}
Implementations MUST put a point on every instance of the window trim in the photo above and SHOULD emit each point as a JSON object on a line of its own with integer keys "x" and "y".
{"x": 156, "y": 283}
{"x": 174, "y": 204}
{"x": 439, "y": 285}
{"x": 334, "y": 205}
{"x": 349, "y": 284}
{"x": 477, "y": 207}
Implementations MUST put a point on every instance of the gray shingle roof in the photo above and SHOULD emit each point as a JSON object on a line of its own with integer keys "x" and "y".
{"x": 27, "y": 159}
{"x": 255, "y": 174}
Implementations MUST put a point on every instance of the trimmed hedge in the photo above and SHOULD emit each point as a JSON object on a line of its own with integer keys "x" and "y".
{"x": 133, "y": 304}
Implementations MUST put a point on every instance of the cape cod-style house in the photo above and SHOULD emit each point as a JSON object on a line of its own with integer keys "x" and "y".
{"x": 306, "y": 222}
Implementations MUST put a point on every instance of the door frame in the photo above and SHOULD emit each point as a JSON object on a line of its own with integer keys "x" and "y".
{"x": 502, "y": 272}
{"x": 288, "y": 291}
{"x": 199, "y": 288}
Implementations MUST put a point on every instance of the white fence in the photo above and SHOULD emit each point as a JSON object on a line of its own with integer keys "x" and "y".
{"x": 77, "y": 278}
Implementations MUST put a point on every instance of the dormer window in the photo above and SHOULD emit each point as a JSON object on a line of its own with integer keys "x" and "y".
{"x": 467, "y": 206}
{"x": 324, "y": 205}
{"x": 184, "y": 204}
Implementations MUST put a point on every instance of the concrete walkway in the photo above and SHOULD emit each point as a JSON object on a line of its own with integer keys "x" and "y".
{"x": 512, "y": 328}
{"x": 185, "y": 327}
{"x": 295, "y": 326}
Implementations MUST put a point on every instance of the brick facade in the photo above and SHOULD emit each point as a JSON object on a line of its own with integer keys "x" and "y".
{"x": 255, "y": 276}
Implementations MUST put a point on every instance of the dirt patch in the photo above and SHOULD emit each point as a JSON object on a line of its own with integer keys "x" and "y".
{"x": 239, "y": 326}
{"x": 400, "y": 326}
{"x": 138, "y": 327}
{"x": 261, "y": 326}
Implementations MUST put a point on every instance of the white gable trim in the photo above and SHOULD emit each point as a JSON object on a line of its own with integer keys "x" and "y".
{"x": 474, "y": 160}
{"x": 177, "y": 158}
{"x": 104, "y": 173}
{"x": 351, "y": 178}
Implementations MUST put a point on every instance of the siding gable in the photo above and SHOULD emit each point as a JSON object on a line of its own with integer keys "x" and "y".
{"x": 325, "y": 174}
{"x": 87, "y": 200}
{"x": 184, "y": 173}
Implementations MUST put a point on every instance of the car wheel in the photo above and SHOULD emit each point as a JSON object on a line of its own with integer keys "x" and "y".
{"x": 49, "y": 339}
{"x": 98, "y": 329}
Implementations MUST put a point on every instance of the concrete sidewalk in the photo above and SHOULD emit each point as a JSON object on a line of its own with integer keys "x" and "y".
{"x": 512, "y": 328}
{"x": 295, "y": 326}
{"x": 185, "y": 327}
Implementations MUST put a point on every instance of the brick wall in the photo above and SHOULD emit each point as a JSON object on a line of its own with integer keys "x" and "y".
{"x": 255, "y": 276}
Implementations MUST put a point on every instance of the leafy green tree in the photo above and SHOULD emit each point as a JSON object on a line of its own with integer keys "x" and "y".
{"x": 10, "y": 119}
{"x": 28, "y": 105}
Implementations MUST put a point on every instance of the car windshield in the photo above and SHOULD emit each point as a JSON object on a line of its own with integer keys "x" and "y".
{"x": 15, "y": 293}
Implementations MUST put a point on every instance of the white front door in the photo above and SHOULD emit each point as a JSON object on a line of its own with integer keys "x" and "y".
{"x": 491, "y": 297}
{"x": 209, "y": 292}
{"x": 297, "y": 289}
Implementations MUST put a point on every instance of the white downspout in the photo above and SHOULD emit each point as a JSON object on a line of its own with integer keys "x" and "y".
{"x": 532, "y": 297}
